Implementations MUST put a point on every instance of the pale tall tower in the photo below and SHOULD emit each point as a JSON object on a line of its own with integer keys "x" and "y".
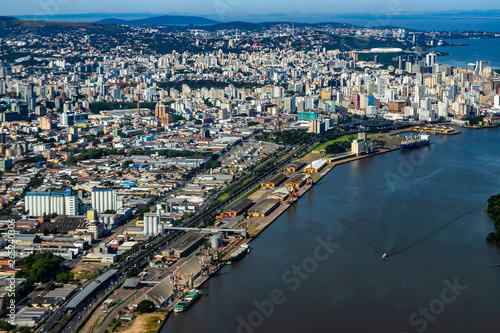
{"x": 430, "y": 59}
{"x": 104, "y": 199}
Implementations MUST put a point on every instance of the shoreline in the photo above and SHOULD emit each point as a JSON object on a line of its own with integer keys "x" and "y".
{"x": 283, "y": 207}
{"x": 200, "y": 281}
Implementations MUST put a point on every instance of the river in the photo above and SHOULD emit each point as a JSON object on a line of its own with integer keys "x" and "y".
{"x": 477, "y": 49}
{"x": 318, "y": 268}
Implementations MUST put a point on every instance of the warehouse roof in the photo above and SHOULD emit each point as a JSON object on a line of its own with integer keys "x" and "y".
{"x": 275, "y": 179}
{"x": 280, "y": 193}
{"x": 264, "y": 206}
{"x": 298, "y": 178}
{"x": 297, "y": 164}
{"x": 239, "y": 206}
{"x": 318, "y": 164}
{"x": 186, "y": 241}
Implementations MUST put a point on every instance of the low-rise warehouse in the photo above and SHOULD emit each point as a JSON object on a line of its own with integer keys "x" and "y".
{"x": 238, "y": 207}
{"x": 294, "y": 166}
{"x": 264, "y": 208}
{"x": 187, "y": 244}
{"x": 274, "y": 181}
{"x": 315, "y": 166}
{"x": 280, "y": 194}
{"x": 298, "y": 181}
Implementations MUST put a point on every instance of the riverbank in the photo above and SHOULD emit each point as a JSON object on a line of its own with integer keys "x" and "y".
{"x": 257, "y": 225}
{"x": 361, "y": 211}
{"x": 264, "y": 222}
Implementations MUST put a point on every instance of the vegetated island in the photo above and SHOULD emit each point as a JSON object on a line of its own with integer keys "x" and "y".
{"x": 493, "y": 211}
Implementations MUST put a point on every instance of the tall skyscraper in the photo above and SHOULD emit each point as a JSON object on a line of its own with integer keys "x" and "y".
{"x": 430, "y": 59}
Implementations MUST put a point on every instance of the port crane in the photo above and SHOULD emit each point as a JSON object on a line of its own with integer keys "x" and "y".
{"x": 292, "y": 194}
{"x": 204, "y": 262}
{"x": 177, "y": 276}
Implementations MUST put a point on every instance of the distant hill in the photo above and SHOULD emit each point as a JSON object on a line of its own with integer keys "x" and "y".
{"x": 10, "y": 26}
{"x": 161, "y": 20}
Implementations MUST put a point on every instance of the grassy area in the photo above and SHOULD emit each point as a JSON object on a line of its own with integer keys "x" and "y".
{"x": 223, "y": 196}
{"x": 152, "y": 324}
{"x": 252, "y": 191}
{"x": 343, "y": 138}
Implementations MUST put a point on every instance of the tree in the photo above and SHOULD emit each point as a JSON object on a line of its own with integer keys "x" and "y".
{"x": 5, "y": 326}
{"x": 65, "y": 277}
{"x": 49, "y": 286}
{"x": 145, "y": 306}
{"x": 158, "y": 176}
{"x": 39, "y": 267}
{"x": 133, "y": 272}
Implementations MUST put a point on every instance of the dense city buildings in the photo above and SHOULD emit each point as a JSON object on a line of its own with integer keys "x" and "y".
{"x": 112, "y": 138}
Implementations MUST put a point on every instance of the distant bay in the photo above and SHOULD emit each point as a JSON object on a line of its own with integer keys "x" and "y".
{"x": 478, "y": 49}
{"x": 432, "y": 24}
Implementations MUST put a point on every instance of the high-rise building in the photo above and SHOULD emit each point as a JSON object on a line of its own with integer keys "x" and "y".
{"x": 60, "y": 202}
{"x": 104, "y": 199}
{"x": 152, "y": 223}
{"x": 46, "y": 123}
{"x": 430, "y": 59}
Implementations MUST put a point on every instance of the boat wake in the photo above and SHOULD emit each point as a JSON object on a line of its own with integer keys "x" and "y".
{"x": 386, "y": 255}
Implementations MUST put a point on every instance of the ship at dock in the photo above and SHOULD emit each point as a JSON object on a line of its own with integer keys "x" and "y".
{"x": 414, "y": 141}
{"x": 188, "y": 300}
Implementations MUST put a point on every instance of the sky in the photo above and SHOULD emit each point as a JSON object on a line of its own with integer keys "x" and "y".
{"x": 223, "y": 8}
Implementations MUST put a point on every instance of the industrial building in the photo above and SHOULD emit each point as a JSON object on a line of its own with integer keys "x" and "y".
{"x": 361, "y": 145}
{"x": 315, "y": 166}
{"x": 280, "y": 194}
{"x": 101, "y": 258}
{"x": 60, "y": 202}
{"x": 90, "y": 290}
{"x": 187, "y": 244}
{"x": 238, "y": 207}
{"x": 294, "y": 166}
{"x": 298, "y": 181}
{"x": 30, "y": 317}
{"x": 274, "y": 181}
{"x": 152, "y": 224}
{"x": 264, "y": 208}
{"x": 105, "y": 199}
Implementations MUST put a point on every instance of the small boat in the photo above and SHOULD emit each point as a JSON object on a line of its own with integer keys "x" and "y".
{"x": 384, "y": 256}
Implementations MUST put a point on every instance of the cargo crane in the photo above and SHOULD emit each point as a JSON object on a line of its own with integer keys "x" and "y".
{"x": 177, "y": 275}
{"x": 309, "y": 180}
{"x": 204, "y": 263}
{"x": 175, "y": 280}
{"x": 292, "y": 195}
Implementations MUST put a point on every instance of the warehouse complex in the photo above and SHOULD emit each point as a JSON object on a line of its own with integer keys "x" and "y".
{"x": 238, "y": 207}
{"x": 264, "y": 208}
{"x": 274, "y": 181}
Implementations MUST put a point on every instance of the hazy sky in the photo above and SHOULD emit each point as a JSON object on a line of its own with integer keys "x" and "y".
{"x": 234, "y": 7}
